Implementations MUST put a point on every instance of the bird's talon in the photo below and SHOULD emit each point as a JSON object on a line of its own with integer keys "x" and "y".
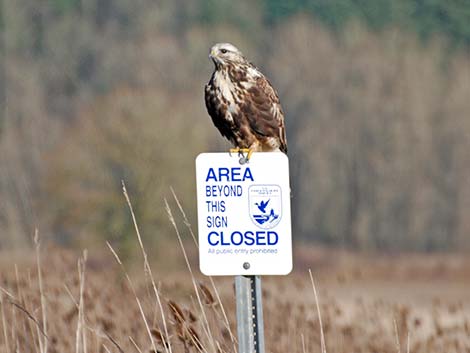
{"x": 245, "y": 155}
{"x": 250, "y": 152}
{"x": 241, "y": 153}
{"x": 233, "y": 150}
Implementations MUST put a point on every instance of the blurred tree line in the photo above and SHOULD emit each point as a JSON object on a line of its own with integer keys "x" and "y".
{"x": 425, "y": 17}
{"x": 376, "y": 95}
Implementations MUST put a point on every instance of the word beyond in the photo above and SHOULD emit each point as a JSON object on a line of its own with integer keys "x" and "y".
{"x": 247, "y": 238}
{"x": 223, "y": 190}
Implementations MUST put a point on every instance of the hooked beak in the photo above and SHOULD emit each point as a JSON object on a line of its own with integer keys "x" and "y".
{"x": 215, "y": 59}
{"x": 212, "y": 54}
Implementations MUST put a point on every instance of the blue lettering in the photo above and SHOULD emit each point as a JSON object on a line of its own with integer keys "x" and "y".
{"x": 215, "y": 206}
{"x": 226, "y": 174}
{"x": 273, "y": 238}
{"x": 209, "y": 238}
{"x": 222, "y": 239}
{"x": 232, "y": 238}
{"x": 260, "y": 238}
{"x": 216, "y": 221}
{"x": 238, "y": 238}
{"x": 221, "y": 190}
{"x": 248, "y": 174}
{"x": 249, "y": 240}
{"x": 211, "y": 175}
{"x": 236, "y": 174}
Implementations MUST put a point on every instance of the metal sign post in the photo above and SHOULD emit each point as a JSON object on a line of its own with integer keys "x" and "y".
{"x": 249, "y": 314}
{"x": 244, "y": 225}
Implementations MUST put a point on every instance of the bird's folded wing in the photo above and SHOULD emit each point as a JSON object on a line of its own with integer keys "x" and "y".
{"x": 263, "y": 111}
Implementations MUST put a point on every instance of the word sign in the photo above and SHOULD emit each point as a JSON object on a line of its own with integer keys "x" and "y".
{"x": 244, "y": 217}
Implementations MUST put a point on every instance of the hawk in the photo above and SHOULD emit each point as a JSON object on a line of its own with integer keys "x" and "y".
{"x": 243, "y": 105}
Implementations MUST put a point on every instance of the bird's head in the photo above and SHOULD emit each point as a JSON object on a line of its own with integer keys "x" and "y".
{"x": 224, "y": 53}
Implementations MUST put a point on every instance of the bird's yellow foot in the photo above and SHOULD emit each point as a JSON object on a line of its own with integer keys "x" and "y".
{"x": 241, "y": 153}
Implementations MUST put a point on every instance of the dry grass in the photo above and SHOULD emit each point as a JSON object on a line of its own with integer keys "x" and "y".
{"x": 58, "y": 301}
{"x": 105, "y": 311}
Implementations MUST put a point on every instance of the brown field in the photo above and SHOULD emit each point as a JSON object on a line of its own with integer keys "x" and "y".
{"x": 412, "y": 303}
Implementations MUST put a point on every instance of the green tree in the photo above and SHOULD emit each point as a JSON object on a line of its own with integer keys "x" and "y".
{"x": 425, "y": 17}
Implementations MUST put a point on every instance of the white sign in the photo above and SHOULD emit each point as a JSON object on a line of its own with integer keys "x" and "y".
{"x": 244, "y": 214}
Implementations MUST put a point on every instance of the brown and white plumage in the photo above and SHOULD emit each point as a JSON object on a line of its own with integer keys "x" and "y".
{"x": 242, "y": 103}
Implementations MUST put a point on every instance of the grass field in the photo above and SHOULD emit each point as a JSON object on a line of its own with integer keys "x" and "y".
{"x": 412, "y": 303}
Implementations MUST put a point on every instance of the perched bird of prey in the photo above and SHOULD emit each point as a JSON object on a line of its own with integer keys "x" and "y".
{"x": 242, "y": 103}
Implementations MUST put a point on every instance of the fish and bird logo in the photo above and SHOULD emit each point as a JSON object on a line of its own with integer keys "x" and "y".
{"x": 265, "y": 205}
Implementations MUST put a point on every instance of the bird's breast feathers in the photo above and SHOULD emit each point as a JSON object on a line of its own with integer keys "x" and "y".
{"x": 233, "y": 80}
{"x": 225, "y": 86}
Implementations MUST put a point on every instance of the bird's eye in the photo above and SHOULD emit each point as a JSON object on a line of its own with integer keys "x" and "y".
{"x": 223, "y": 51}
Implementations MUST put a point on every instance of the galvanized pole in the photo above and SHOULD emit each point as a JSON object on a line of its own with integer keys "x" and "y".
{"x": 249, "y": 314}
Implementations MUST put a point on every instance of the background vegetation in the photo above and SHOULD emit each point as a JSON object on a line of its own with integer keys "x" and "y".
{"x": 376, "y": 95}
